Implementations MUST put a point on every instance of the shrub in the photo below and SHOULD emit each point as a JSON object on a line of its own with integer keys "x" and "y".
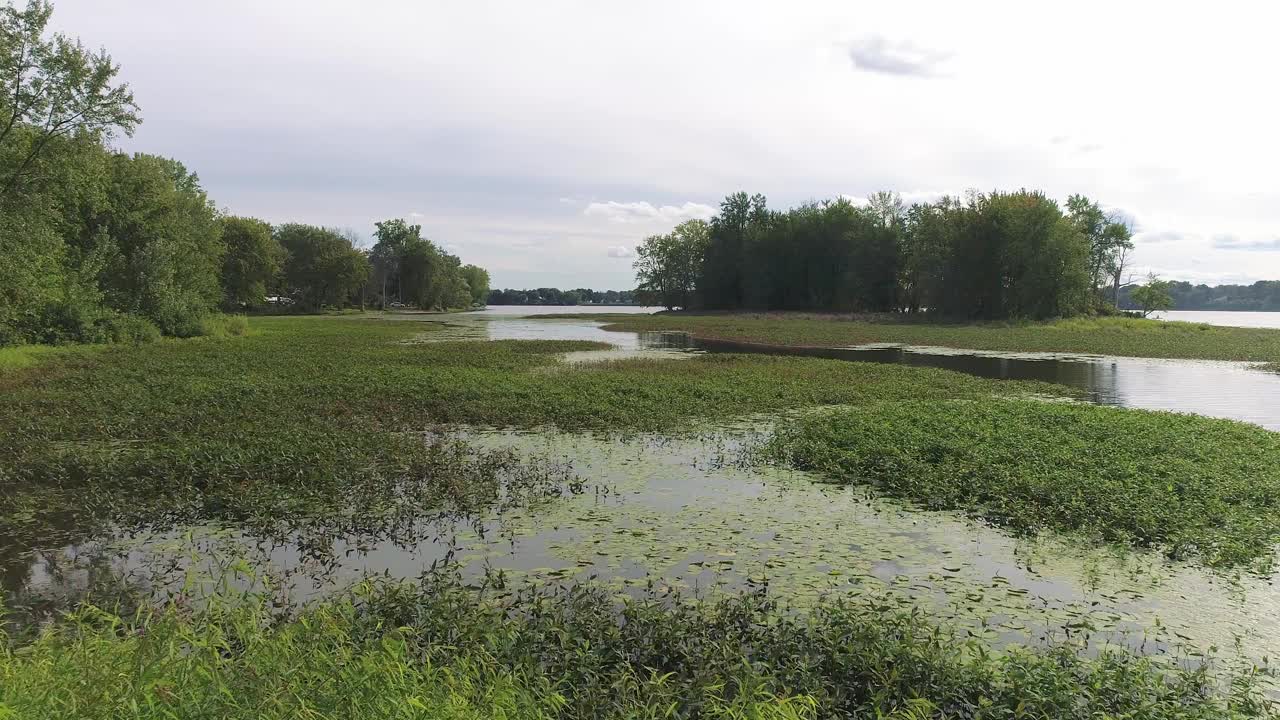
{"x": 131, "y": 329}
{"x": 224, "y": 325}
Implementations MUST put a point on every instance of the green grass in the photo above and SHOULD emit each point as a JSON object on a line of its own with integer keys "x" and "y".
{"x": 1129, "y": 337}
{"x": 24, "y": 356}
{"x": 1196, "y": 487}
{"x": 439, "y": 651}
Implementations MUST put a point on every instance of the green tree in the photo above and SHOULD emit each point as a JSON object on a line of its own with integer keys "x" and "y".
{"x": 477, "y": 279}
{"x": 1154, "y": 296}
{"x": 323, "y": 268}
{"x": 51, "y": 88}
{"x": 165, "y": 243}
{"x": 667, "y": 266}
{"x": 393, "y": 239}
{"x": 253, "y": 261}
{"x": 1109, "y": 238}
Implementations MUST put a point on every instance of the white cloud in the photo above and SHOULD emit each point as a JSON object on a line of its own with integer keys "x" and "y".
{"x": 635, "y": 212}
{"x": 875, "y": 53}
{"x": 619, "y": 251}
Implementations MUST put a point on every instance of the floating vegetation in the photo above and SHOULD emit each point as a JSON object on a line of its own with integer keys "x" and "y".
{"x": 1193, "y": 487}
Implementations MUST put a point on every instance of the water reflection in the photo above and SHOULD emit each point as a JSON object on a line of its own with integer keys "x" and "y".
{"x": 1231, "y": 390}
{"x": 685, "y": 514}
{"x": 1213, "y": 388}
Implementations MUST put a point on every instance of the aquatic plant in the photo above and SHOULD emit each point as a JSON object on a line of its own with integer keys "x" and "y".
{"x": 441, "y": 650}
{"x": 1196, "y": 487}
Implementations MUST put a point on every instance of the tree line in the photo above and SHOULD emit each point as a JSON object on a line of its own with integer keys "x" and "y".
{"x": 98, "y": 245}
{"x": 1261, "y": 296}
{"x": 556, "y": 296}
{"x": 986, "y": 256}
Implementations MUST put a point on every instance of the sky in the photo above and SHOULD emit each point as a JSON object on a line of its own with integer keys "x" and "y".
{"x": 544, "y": 140}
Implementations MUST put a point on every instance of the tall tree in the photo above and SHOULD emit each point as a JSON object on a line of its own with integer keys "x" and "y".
{"x": 253, "y": 261}
{"x": 667, "y": 266}
{"x": 392, "y": 240}
{"x": 166, "y": 243}
{"x": 1109, "y": 238}
{"x": 51, "y": 88}
{"x": 323, "y": 268}
{"x": 477, "y": 279}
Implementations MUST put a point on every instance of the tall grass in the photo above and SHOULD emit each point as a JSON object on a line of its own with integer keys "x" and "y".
{"x": 439, "y": 650}
{"x": 1196, "y": 487}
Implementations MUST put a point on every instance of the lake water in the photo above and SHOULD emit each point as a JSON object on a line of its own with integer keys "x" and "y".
{"x": 1232, "y": 319}
{"x": 1232, "y": 390}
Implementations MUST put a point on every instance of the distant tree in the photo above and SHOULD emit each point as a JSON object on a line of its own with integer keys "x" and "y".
{"x": 477, "y": 282}
{"x": 1109, "y": 238}
{"x": 51, "y": 88}
{"x": 668, "y": 266}
{"x": 323, "y": 268}
{"x": 721, "y": 280}
{"x": 1153, "y": 296}
{"x": 252, "y": 263}
{"x": 393, "y": 239}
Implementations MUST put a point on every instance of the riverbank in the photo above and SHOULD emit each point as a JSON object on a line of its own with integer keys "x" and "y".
{"x": 1123, "y": 337}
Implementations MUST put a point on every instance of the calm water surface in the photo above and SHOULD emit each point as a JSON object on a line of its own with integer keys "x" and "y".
{"x": 1232, "y": 390}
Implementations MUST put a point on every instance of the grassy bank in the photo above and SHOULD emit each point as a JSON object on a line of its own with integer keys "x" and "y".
{"x": 1129, "y": 337}
{"x": 439, "y": 651}
{"x": 1195, "y": 487}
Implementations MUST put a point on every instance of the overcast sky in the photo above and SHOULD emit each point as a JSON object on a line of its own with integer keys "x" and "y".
{"x": 543, "y": 140}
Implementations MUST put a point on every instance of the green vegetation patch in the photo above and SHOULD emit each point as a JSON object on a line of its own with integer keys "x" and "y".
{"x": 441, "y": 651}
{"x": 1195, "y": 487}
{"x": 1126, "y": 337}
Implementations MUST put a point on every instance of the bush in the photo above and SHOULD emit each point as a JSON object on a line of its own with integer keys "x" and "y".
{"x": 224, "y": 325}
{"x": 180, "y": 321}
{"x": 131, "y": 329}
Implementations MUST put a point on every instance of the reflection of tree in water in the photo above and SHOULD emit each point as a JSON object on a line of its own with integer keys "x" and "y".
{"x": 104, "y": 541}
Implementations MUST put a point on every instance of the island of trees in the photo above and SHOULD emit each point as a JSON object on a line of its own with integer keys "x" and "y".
{"x": 983, "y": 257}
{"x": 97, "y": 245}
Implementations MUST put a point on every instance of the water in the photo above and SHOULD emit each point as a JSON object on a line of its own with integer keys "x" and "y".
{"x": 684, "y": 515}
{"x": 1231, "y": 390}
{"x": 1221, "y": 317}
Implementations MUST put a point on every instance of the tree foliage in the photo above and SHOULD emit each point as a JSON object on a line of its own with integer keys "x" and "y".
{"x": 51, "y": 88}
{"x": 1153, "y": 296}
{"x": 323, "y": 268}
{"x": 252, "y": 263}
{"x": 418, "y": 271}
{"x": 988, "y": 256}
{"x": 98, "y": 246}
{"x": 667, "y": 266}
